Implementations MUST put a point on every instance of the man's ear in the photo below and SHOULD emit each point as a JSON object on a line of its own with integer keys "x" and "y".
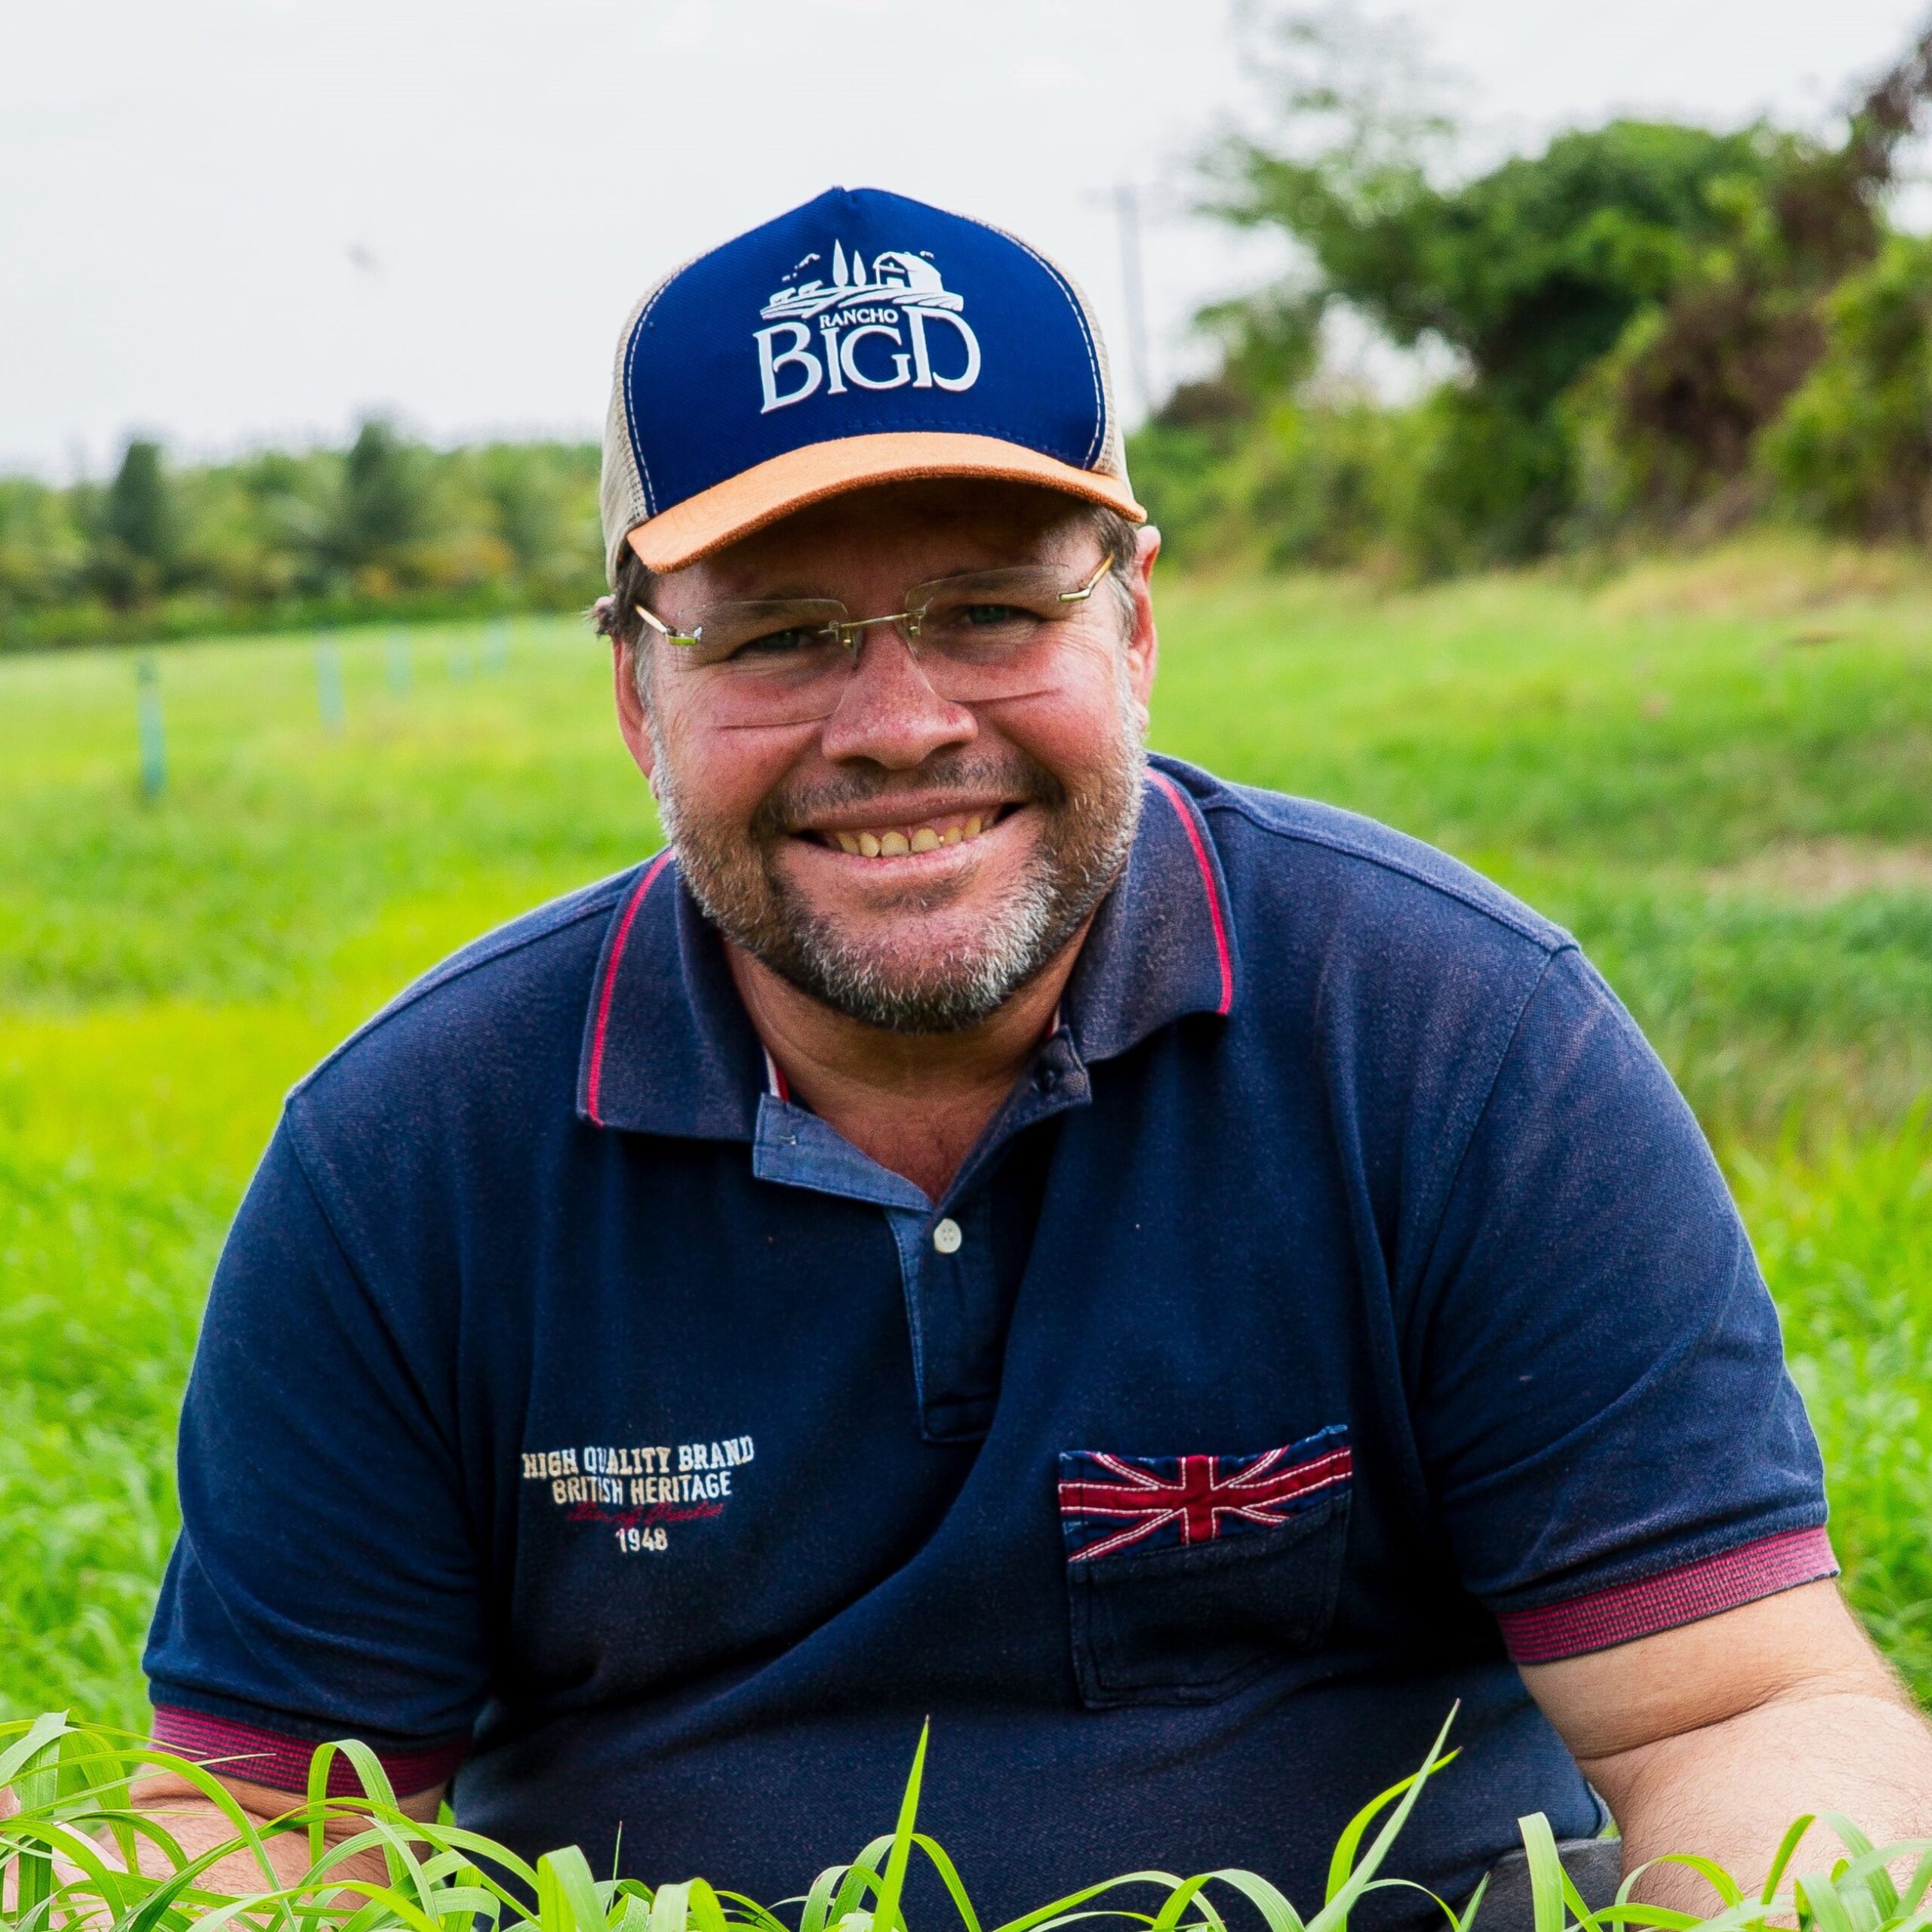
{"x": 632, "y": 721}
{"x": 1143, "y": 641}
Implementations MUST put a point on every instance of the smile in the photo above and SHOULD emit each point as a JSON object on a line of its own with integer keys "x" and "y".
{"x": 891, "y": 841}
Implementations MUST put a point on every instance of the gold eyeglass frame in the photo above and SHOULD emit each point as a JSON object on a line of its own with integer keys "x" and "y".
{"x": 847, "y": 630}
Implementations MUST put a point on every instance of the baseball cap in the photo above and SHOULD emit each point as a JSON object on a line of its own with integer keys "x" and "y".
{"x": 861, "y": 338}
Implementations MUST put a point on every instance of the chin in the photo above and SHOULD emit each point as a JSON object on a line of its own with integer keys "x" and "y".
{"x": 916, "y": 946}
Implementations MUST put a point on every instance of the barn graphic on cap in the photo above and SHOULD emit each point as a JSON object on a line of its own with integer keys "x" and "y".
{"x": 862, "y": 338}
{"x": 897, "y": 276}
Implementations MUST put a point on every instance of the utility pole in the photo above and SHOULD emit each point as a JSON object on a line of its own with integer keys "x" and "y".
{"x": 1126, "y": 206}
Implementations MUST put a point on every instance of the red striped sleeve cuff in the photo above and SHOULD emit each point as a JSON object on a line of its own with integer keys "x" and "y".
{"x": 1703, "y": 1588}
{"x": 273, "y": 1758}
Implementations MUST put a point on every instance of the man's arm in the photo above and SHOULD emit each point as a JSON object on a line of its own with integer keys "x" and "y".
{"x": 325, "y": 1583}
{"x": 198, "y": 1824}
{"x": 1712, "y": 1738}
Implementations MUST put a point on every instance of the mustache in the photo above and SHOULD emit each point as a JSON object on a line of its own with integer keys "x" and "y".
{"x": 786, "y": 808}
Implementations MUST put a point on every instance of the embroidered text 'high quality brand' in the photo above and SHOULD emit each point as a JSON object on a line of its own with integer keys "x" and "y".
{"x": 641, "y": 1489}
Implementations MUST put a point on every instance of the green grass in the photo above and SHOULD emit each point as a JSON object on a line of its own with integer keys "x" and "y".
{"x": 75, "y": 1851}
{"x": 1661, "y": 785}
{"x": 1738, "y": 823}
{"x": 74, "y": 1847}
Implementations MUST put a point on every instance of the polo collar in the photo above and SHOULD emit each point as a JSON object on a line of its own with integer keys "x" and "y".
{"x": 669, "y": 1049}
{"x": 668, "y": 1046}
{"x": 1162, "y": 945}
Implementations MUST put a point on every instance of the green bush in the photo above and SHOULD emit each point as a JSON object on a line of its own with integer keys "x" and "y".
{"x": 1853, "y": 449}
{"x": 1491, "y": 481}
{"x": 1321, "y": 483}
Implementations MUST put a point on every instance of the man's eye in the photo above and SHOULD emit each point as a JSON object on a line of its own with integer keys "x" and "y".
{"x": 780, "y": 644}
{"x": 983, "y": 616}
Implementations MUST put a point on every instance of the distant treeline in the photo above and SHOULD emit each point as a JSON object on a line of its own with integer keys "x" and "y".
{"x": 1656, "y": 330}
{"x": 387, "y": 527}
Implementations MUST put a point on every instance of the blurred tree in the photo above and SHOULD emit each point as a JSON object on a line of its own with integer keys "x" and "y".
{"x": 285, "y": 511}
{"x": 384, "y": 506}
{"x": 531, "y": 498}
{"x": 1531, "y": 271}
{"x": 387, "y": 526}
{"x": 140, "y": 511}
{"x": 138, "y": 537}
{"x": 1713, "y": 360}
{"x": 1630, "y": 308}
{"x": 1853, "y": 449}
{"x": 1270, "y": 344}
{"x": 43, "y": 551}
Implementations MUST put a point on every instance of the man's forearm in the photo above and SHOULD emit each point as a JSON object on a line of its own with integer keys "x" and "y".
{"x": 1728, "y": 1791}
{"x": 198, "y": 1824}
{"x": 1712, "y": 1737}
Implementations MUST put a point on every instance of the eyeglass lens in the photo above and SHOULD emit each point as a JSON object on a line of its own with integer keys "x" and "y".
{"x": 969, "y": 632}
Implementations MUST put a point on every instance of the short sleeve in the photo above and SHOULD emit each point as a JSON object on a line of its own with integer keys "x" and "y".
{"x": 325, "y": 1583}
{"x": 1600, "y": 1389}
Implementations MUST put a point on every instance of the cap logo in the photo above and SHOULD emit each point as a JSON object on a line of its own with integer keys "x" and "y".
{"x": 871, "y": 328}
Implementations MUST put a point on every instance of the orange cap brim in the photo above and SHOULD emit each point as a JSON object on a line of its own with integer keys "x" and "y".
{"x": 774, "y": 488}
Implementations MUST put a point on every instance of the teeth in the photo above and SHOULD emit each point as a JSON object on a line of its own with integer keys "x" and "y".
{"x": 893, "y": 843}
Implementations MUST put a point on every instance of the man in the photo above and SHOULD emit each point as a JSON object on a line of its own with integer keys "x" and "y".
{"x": 1180, "y": 1284}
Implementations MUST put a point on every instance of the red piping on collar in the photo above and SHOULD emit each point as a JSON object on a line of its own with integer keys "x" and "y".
{"x": 1186, "y": 817}
{"x": 781, "y": 1087}
{"x": 595, "y": 1082}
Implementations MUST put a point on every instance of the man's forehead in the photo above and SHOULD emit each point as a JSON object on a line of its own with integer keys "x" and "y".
{"x": 926, "y": 527}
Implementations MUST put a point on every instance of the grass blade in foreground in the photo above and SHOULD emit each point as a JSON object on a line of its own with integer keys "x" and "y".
{"x": 71, "y": 1783}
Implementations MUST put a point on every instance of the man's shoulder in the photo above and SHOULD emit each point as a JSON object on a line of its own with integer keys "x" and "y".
{"x": 1298, "y": 859}
{"x": 519, "y": 990}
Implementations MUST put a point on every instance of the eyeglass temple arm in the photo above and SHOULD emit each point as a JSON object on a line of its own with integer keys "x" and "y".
{"x": 1088, "y": 589}
{"x": 665, "y": 631}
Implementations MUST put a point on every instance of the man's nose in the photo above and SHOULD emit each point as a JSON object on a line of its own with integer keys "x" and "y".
{"x": 889, "y": 713}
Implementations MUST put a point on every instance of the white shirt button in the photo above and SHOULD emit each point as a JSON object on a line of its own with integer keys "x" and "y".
{"x": 947, "y": 1236}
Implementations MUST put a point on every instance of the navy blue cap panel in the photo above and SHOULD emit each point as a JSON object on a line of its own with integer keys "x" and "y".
{"x": 860, "y": 313}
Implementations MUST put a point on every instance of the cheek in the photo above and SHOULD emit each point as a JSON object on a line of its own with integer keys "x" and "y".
{"x": 1073, "y": 724}
{"x": 721, "y": 775}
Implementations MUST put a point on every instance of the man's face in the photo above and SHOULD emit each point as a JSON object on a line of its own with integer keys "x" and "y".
{"x": 986, "y": 833}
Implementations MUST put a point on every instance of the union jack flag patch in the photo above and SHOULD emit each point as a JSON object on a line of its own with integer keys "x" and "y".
{"x": 1109, "y": 1503}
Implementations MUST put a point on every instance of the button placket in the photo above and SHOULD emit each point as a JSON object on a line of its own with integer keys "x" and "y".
{"x": 951, "y": 1299}
{"x": 946, "y": 1265}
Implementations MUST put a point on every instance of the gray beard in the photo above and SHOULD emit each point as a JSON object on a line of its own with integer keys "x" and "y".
{"x": 1081, "y": 852}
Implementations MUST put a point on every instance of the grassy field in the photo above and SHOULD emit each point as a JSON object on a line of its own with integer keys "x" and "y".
{"x": 1721, "y": 777}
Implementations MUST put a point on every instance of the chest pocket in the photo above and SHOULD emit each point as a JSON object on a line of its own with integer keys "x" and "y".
{"x": 1188, "y": 1575}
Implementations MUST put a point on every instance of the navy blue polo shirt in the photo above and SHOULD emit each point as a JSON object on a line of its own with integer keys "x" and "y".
{"x": 1344, "y": 1305}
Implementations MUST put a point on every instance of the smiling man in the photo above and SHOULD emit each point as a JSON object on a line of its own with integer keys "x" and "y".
{"x": 1181, "y": 1284}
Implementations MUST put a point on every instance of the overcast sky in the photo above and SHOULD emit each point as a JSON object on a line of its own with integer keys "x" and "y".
{"x": 231, "y": 221}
